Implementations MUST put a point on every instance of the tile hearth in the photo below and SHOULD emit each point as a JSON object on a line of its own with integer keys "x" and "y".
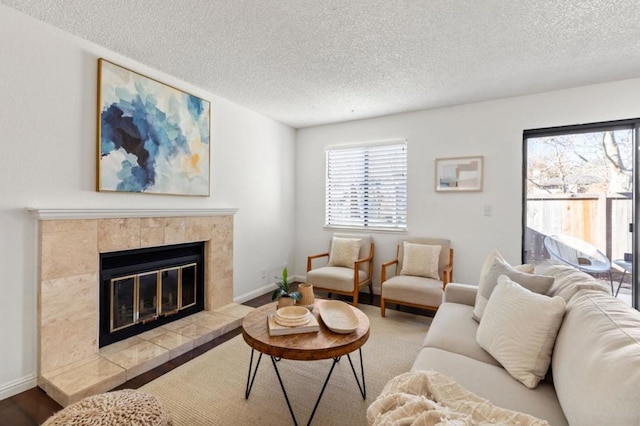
{"x": 124, "y": 360}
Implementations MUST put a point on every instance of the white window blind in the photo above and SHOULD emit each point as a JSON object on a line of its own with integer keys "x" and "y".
{"x": 366, "y": 186}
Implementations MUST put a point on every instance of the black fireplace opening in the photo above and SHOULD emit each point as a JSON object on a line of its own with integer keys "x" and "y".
{"x": 142, "y": 289}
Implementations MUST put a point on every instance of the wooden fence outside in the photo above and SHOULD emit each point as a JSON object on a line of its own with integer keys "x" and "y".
{"x": 601, "y": 220}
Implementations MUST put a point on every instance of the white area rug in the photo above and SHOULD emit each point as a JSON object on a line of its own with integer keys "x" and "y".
{"x": 209, "y": 390}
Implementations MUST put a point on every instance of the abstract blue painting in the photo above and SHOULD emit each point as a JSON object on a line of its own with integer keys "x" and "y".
{"x": 152, "y": 138}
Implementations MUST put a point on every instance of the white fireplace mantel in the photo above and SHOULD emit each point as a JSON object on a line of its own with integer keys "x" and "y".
{"x": 60, "y": 214}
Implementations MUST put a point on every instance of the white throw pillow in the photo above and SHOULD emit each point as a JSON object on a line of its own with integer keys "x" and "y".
{"x": 529, "y": 268}
{"x": 496, "y": 266}
{"x": 526, "y": 267}
{"x": 420, "y": 260}
{"x": 519, "y": 329}
{"x": 344, "y": 251}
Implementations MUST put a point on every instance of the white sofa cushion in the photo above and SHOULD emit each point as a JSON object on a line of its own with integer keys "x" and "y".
{"x": 494, "y": 383}
{"x": 464, "y": 294}
{"x": 568, "y": 280}
{"x": 344, "y": 251}
{"x": 421, "y": 260}
{"x": 453, "y": 329}
{"x": 496, "y": 266}
{"x": 519, "y": 328}
{"x": 596, "y": 361}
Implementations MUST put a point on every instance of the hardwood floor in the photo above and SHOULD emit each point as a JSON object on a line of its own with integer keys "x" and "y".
{"x": 33, "y": 406}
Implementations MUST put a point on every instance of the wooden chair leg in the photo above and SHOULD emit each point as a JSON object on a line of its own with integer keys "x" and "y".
{"x": 355, "y": 298}
{"x": 381, "y": 306}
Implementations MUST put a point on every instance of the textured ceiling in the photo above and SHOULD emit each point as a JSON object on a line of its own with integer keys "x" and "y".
{"x": 305, "y": 62}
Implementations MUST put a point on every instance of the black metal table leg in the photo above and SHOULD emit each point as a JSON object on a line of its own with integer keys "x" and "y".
{"x": 363, "y": 387}
{"x": 250, "y": 379}
{"x": 274, "y": 360}
{"x": 286, "y": 397}
{"x": 324, "y": 386}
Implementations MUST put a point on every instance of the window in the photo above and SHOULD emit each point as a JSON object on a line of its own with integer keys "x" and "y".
{"x": 366, "y": 186}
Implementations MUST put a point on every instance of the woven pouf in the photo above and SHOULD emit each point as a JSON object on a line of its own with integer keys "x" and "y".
{"x": 123, "y": 407}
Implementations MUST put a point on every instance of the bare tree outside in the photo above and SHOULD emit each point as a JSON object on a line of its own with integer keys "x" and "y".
{"x": 580, "y": 163}
{"x": 620, "y": 166}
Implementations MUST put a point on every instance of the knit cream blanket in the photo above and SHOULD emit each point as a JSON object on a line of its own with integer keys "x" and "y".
{"x": 424, "y": 398}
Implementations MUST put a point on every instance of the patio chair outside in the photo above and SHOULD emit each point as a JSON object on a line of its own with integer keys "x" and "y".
{"x": 579, "y": 254}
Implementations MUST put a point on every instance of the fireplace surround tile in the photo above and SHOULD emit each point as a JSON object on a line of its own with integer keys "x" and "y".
{"x": 216, "y": 321}
{"x": 178, "y": 324}
{"x": 69, "y": 225}
{"x": 235, "y": 310}
{"x": 138, "y": 358}
{"x": 199, "y": 333}
{"x": 118, "y": 234}
{"x": 122, "y": 345}
{"x": 68, "y": 253}
{"x": 175, "y": 235}
{"x": 69, "y": 245}
{"x": 76, "y": 381}
{"x": 64, "y": 305}
{"x": 45, "y": 380}
{"x": 152, "y": 222}
{"x": 68, "y": 313}
{"x": 151, "y": 237}
{"x": 112, "y": 224}
{"x": 175, "y": 343}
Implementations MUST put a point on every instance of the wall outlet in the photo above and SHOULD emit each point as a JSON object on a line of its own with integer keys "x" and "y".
{"x": 488, "y": 210}
{"x": 264, "y": 274}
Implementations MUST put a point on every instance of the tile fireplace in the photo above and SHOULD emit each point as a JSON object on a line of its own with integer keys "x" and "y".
{"x": 73, "y": 244}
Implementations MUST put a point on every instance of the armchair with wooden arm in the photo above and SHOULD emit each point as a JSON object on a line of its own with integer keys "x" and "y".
{"x": 416, "y": 290}
{"x": 343, "y": 276}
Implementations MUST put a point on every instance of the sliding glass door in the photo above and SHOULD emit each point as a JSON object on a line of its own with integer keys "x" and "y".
{"x": 579, "y": 189}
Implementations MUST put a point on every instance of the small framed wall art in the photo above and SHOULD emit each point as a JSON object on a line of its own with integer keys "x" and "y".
{"x": 152, "y": 137}
{"x": 459, "y": 174}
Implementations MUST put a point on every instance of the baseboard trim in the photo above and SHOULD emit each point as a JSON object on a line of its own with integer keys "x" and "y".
{"x": 266, "y": 289}
{"x": 255, "y": 293}
{"x": 19, "y": 385}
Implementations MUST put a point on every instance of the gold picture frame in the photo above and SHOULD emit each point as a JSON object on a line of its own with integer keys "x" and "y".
{"x": 152, "y": 138}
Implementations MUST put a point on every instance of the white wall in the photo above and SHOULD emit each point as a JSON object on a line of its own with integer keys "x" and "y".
{"x": 48, "y": 104}
{"x": 492, "y": 129}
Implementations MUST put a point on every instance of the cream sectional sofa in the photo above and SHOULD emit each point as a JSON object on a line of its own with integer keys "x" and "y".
{"x": 594, "y": 377}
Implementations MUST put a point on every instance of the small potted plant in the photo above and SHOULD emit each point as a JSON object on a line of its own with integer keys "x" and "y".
{"x": 283, "y": 293}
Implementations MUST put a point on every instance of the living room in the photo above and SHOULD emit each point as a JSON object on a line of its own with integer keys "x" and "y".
{"x": 272, "y": 173}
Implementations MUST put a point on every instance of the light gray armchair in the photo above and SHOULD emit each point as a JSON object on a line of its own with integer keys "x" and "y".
{"x": 348, "y": 267}
{"x": 421, "y": 274}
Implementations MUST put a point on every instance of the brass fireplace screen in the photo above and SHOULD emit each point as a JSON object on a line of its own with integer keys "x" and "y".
{"x": 144, "y": 297}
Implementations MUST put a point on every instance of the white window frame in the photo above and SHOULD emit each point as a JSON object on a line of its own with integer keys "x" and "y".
{"x": 366, "y": 186}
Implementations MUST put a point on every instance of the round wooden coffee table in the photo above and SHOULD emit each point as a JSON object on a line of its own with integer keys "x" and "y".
{"x": 323, "y": 344}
